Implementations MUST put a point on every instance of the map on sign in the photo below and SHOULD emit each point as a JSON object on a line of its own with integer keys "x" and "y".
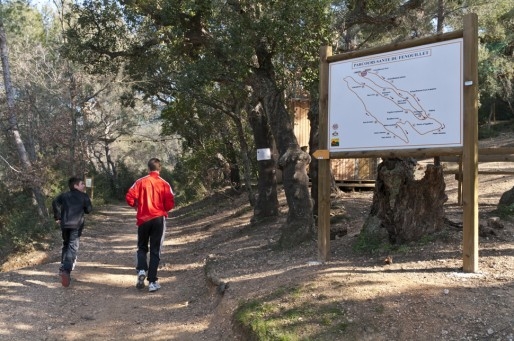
{"x": 409, "y": 98}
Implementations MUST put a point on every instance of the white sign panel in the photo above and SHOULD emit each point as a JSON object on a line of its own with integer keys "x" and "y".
{"x": 409, "y": 98}
{"x": 263, "y": 154}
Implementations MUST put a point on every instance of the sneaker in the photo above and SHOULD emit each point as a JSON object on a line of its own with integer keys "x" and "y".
{"x": 74, "y": 263}
{"x": 65, "y": 278}
{"x": 141, "y": 275}
{"x": 153, "y": 286}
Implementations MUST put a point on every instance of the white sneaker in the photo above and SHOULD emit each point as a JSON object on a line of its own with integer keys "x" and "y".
{"x": 141, "y": 275}
{"x": 153, "y": 286}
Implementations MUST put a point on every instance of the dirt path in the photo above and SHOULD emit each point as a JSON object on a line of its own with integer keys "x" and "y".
{"x": 102, "y": 302}
{"x": 422, "y": 295}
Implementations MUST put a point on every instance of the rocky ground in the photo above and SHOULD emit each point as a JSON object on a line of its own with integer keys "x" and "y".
{"x": 419, "y": 293}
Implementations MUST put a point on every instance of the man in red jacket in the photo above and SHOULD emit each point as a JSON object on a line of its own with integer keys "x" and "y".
{"x": 152, "y": 197}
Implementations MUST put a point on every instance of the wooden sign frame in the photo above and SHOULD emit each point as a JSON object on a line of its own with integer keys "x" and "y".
{"x": 469, "y": 150}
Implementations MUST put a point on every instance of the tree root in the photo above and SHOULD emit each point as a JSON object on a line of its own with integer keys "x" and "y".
{"x": 212, "y": 278}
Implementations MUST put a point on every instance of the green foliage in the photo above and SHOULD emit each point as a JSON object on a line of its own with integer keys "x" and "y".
{"x": 126, "y": 178}
{"x": 505, "y": 211}
{"x": 108, "y": 189}
{"x": 494, "y": 130}
{"x": 198, "y": 58}
{"x": 19, "y": 225}
{"x": 21, "y": 21}
{"x": 104, "y": 191}
{"x": 378, "y": 243}
{"x": 496, "y": 65}
{"x": 370, "y": 242}
{"x": 187, "y": 181}
{"x": 210, "y": 142}
{"x": 487, "y": 131}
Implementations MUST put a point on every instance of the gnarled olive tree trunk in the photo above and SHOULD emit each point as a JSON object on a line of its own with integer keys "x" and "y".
{"x": 406, "y": 208}
{"x": 267, "y": 200}
{"x": 292, "y": 159}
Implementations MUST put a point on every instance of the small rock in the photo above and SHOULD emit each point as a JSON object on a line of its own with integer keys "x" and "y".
{"x": 495, "y": 223}
{"x": 312, "y": 263}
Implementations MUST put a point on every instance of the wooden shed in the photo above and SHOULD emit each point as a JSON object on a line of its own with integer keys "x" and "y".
{"x": 360, "y": 172}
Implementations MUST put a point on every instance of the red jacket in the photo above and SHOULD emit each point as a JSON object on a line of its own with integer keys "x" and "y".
{"x": 152, "y": 196}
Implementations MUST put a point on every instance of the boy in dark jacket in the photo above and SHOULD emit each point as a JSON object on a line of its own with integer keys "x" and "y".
{"x": 69, "y": 209}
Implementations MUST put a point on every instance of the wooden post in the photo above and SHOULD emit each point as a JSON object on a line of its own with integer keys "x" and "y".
{"x": 470, "y": 147}
{"x": 324, "y": 163}
{"x": 459, "y": 184}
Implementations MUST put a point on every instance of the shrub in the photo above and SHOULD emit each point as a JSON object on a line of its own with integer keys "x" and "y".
{"x": 20, "y": 225}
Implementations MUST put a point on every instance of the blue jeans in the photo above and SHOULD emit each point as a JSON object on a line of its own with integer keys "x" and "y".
{"x": 70, "y": 247}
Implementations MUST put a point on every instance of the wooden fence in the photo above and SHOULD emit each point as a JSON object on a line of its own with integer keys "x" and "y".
{"x": 485, "y": 155}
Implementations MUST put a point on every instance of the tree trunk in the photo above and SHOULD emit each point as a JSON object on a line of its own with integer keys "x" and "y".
{"x": 267, "y": 202}
{"x": 29, "y": 181}
{"x": 74, "y": 128}
{"x": 492, "y": 114}
{"x": 406, "y": 208}
{"x": 440, "y": 16}
{"x": 244, "y": 156}
{"x": 292, "y": 159}
{"x": 111, "y": 170}
{"x": 313, "y": 116}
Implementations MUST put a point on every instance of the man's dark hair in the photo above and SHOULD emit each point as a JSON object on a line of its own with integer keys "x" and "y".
{"x": 74, "y": 180}
{"x": 154, "y": 164}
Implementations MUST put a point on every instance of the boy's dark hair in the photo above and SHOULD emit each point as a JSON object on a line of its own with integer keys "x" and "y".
{"x": 154, "y": 164}
{"x": 74, "y": 180}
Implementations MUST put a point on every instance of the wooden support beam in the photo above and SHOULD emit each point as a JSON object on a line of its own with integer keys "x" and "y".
{"x": 419, "y": 153}
{"x": 482, "y": 158}
{"x": 470, "y": 147}
{"x": 323, "y": 164}
{"x": 483, "y": 172}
